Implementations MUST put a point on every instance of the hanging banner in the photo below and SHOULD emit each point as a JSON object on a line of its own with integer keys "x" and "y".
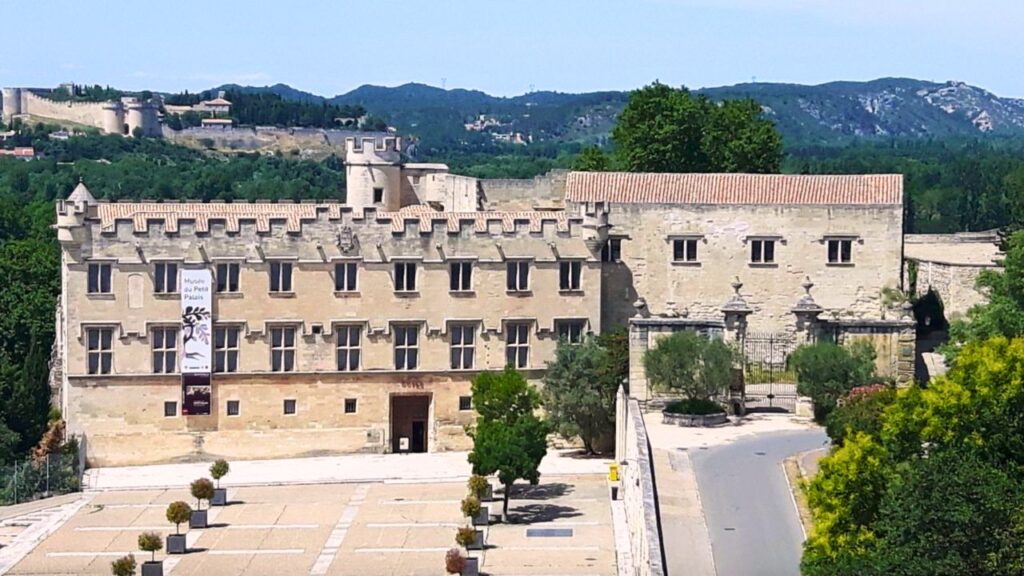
{"x": 196, "y": 336}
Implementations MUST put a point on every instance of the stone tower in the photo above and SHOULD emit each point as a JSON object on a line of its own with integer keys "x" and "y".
{"x": 113, "y": 118}
{"x": 143, "y": 115}
{"x": 373, "y": 170}
{"x": 12, "y": 103}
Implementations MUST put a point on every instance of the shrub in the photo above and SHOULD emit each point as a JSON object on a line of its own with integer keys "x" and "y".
{"x": 219, "y": 469}
{"x": 202, "y": 489}
{"x": 465, "y": 536}
{"x": 477, "y": 485}
{"x": 696, "y": 406}
{"x": 859, "y": 411}
{"x": 123, "y": 566}
{"x": 826, "y": 372}
{"x": 698, "y": 367}
{"x": 150, "y": 542}
{"x": 454, "y": 561}
{"x": 178, "y": 513}
{"x": 470, "y": 506}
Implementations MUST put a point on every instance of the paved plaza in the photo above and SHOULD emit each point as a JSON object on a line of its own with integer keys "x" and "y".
{"x": 353, "y": 528}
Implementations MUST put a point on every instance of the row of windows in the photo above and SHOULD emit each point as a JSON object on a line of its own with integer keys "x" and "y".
{"x": 762, "y": 251}
{"x": 348, "y": 344}
{"x": 345, "y": 277}
{"x": 290, "y": 406}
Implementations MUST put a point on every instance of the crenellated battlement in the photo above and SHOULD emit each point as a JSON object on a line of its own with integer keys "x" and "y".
{"x": 372, "y": 150}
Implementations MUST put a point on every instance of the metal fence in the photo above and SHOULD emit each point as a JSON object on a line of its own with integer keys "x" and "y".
{"x": 32, "y": 479}
{"x": 770, "y": 380}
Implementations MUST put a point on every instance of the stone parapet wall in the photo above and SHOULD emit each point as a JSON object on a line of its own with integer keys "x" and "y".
{"x": 955, "y": 285}
{"x": 640, "y": 495}
{"x": 524, "y": 194}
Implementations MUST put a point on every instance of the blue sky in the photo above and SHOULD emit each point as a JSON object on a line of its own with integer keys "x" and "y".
{"x": 505, "y": 47}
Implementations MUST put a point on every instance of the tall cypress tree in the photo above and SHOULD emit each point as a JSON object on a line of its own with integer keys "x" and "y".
{"x": 28, "y": 408}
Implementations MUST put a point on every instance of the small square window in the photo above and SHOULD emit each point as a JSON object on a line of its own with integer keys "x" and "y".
{"x": 840, "y": 251}
{"x": 460, "y": 276}
{"x": 378, "y": 195}
{"x": 465, "y": 403}
{"x": 762, "y": 251}
{"x": 165, "y": 278}
{"x": 612, "y": 250}
{"x": 99, "y": 279}
{"x": 569, "y": 273}
{"x": 233, "y": 407}
{"x": 517, "y": 276}
{"x": 170, "y": 409}
{"x": 350, "y": 405}
{"x": 405, "y": 276}
{"x": 684, "y": 250}
{"x": 345, "y": 275}
{"x": 289, "y": 407}
{"x": 281, "y": 277}
{"x": 227, "y": 277}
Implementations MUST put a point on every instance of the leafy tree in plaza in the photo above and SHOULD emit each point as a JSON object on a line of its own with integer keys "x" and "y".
{"x": 665, "y": 129}
{"x": 503, "y": 396}
{"x": 579, "y": 391}
{"x": 826, "y": 371}
{"x": 695, "y": 366}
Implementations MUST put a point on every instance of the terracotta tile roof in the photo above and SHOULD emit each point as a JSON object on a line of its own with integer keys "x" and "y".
{"x": 171, "y": 213}
{"x": 642, "y": 188}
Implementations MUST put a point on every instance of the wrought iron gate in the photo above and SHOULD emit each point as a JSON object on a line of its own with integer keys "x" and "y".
{"x": 770, "y": 383}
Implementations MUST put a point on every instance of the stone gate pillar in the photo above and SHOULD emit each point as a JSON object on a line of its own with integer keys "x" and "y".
{"x": 806, "y": 312}
{"x": 736, "y": 311}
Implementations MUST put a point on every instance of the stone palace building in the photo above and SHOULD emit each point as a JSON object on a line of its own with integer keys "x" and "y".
{"x": 271, "y": 329}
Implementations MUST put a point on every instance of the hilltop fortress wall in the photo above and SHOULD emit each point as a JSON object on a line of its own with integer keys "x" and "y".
{"x": 112, "y": 117}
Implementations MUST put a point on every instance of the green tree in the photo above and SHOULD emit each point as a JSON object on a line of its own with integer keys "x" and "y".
{"x": 826, "y": 371}
{"x": 664, "y": 129}
{"x": 503, "y": 396}
{"x": 695, "y": 366}
{"x": 28, "y": 407}
{"x": 859, "y": 411}
{"x": 592, "y": 159}
{"x": 579, "y": 392}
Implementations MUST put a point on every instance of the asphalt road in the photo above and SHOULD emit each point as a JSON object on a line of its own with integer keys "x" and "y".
{"x": 751, "y": 517}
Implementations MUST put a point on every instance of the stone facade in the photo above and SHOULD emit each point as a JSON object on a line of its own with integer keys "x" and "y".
{"x": 413, "y": 262}
{"x": 949, "y": 265}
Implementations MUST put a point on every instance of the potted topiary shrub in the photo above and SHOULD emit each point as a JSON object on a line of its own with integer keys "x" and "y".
{"x": 202, "y": 489}
{"x": 456, "y": 563}
{"x": 123, "y": 566}
{"x": 481, "y": 488}
{"x": 470, "y": 538}
{"x": 218, "y": 470}
{"x": 150, "y": 542}
{"x": 471, "y": 509}
{"x": 177, "y": 513}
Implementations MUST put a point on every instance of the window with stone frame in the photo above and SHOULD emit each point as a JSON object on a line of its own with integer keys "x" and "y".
{"x": 164, "y": 341}
{"x": 517, "y": 275}
{"x": 233, "y": 407}
{"x": 612, "y": 250}
{"x": 99, "y": 350}
{"x": 462, "y": 342}
{"x": 351, "y": 404}
{"x": 406, "y": 347}
{"x": 517, "y": 344}
{"x": 465, "y": 403}
{"x": 99, "y": 278}
{"x": 225, "y": 348}
{"x": 840, "y": 250}
{"x": 345, "y": 276}
{"x": 571, "y": 331}
{"x": 227, "y": 277}
{"x": 460, "y": 276}
{"x": 170, "y": 409}
{"x": 762, "y": 251}
{"x": 405, "y": 276}
{"x": 280, "y": 277}
{"x": 282, "y": 349}
{"x": 684, "y": 250}
{"x": 348, "y": 340}
{"x": 165, "y": 277}
{"x": 570, "y": 273}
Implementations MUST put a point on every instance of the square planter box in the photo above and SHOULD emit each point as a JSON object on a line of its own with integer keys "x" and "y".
{"x": 478, "y": 541}
{"x": 482, "y": 519}
{"x": 150, "y": 568}
{"x": 198, "y": 519}
{"x": 176, "y": 544}
{"x": 472, "y": 567}
{"x": 220, "y": 497}
{"x": 496, "y": 508}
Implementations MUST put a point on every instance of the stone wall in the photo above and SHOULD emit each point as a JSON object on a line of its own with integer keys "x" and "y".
{"x": 87, "y": 113}
{"x": 526, "y": 194}
{"x": 955, "y": 285}
{"x": 639, "y": 494}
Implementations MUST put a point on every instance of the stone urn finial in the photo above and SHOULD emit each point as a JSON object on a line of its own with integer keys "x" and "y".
{"x": 736, "y": 304}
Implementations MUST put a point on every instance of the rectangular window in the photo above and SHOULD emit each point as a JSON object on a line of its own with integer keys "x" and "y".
{"x": 570, "y": 330}
{"x": 348, "y": 341}
{"x": 378, "y": 195}
{"x": 170, "y": 409}
{"x": 762, "y": 251}
{"x": 517, "y": 344}
{"x": 99, "y": 278}
{"x": 227, "y": 277}
{"x": 465, "y": 403}
{"x": 569, "y": 274}
{"x": 99, "y": 350}
{"x": 406, "y": 347}
{"x": 280, "y": 276}
{"x": 840, "y": 251}
{"x": 165, "y": 350}
{"x": 350, "y": 405}
{"x": 463, "y": 346}
{"x": 225, "y": 349}
{"x": 405, "y": 276}
{"x": 289, "y": 407}
{"x": 517, "y": 277}
{"x": 282, "y": 349}
{"x": 685, "y": 249}
{"x": 612, "y": 250}
{"x": 460, "y": 276}
{"x": 345, "y": 274}
{"x": 233, "y": 408}
{"x": 165, "y": 279}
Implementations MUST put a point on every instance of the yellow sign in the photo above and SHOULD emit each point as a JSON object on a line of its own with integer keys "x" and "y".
{"x": 613, "y": 472}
